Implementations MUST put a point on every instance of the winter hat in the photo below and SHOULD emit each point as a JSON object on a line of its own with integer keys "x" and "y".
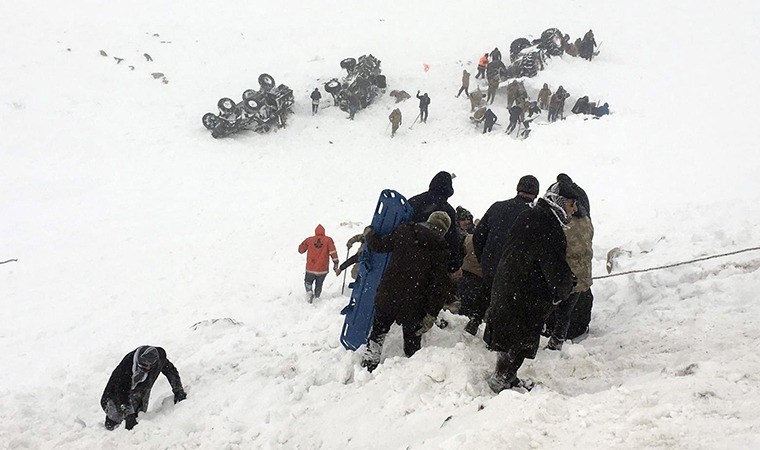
{"x": 463, "y": 214}
{"x": 564, "y": 178}
{"x": 528, "y": 184}
{"x": 441, "y": 183}
{"x": 148, "y": 356}
{"x": 440, "y": 221}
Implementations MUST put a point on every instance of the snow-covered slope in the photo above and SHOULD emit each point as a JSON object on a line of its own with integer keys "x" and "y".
{"x": 130, "y": 224}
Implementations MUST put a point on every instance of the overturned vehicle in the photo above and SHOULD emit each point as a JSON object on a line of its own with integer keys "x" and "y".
{"x": 259, "y": 111}
{"x": 363, "y": 83}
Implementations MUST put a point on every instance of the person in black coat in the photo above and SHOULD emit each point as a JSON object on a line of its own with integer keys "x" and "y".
{"x": 515, "y": 117}
{"x": 435, "y": 199}
{"x": 489, "y": 240}
{"x": 424, "y": 103}
{"x": 414, "y": 286}
{"x": 128, "y": 390}
{"x": 489, "y": 119}
{"x": 531, "y": 279}
{"x": 316, "y": 96}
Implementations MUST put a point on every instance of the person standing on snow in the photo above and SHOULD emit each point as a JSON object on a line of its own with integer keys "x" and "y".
{"x": 319, "y": 249}
{"x": 532, "y": 278}
{"x": 543, "y": 97}
{"x": 424, "y": 103}
{"x": 395, "y": 118}
{"x": 316, "y": 96}
{"x": 482, "y": 64}
{"x": 493, "y": 85}
{"x": 489, "y": 239}
{"x": 465, "y": 84}
{"x": 353, "y": 105}
{"x": 415, "y": 284}
{"x": 436, "y": 199}
{"x": 489, "y": 119}
{"x": 128, "y": 390}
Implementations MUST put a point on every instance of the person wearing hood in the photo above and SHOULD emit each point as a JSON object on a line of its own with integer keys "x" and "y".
{"x": 414, "y": 286}
{"x": 531, "y": 279}
{"x": 436, "y": 199}
{"x": 495, "y": 54}
{"x": 489, "y": 240}
{"x": 319, "y": 249}
{"x": 128, "y": 390}
{"x": 543, "y": 97}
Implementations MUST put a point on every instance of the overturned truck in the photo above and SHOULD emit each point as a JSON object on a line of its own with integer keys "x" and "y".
{"x": 260, "y": 110}
{"x": 361, "y": 85}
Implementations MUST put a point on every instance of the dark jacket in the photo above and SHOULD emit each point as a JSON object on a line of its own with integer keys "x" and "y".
{"x": 424, "y": 101}
{"x": 496, "y": 54}
{"x": 490, "y": 117}
{"x": 415, "y": 282}
{"x": 532, "y": 277}
{"x": 435, "y": 199}
{"x": 490, "y": 235}
{"x": 119, "y": 387}
{"x": 602, "y": 110}
{"x": 316, "y": 95}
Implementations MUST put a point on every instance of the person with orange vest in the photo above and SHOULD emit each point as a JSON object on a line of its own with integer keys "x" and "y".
{"x": 482, "y": 63}
{"x": 319, "y": 249}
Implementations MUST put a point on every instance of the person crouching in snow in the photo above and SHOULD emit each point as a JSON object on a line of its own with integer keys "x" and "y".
{"x": 531, "y": 279}
{"x": 128, "y": 390}
{"x": 319, "y": 249}
{"x": 415, "y": 285}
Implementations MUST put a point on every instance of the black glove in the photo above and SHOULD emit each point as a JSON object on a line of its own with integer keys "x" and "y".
{"x": 131, "y": 421}
{"x": 179, "y": 396}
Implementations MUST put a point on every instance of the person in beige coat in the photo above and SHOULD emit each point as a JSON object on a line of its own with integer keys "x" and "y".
{"x": 543, "y": 97}
{"x": 395, "y": 118}
{"x": 465, "y": 84}
{"x": 579, "y": 234}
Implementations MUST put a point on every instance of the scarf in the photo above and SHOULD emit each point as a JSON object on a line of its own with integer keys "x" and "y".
{"x": 557, "y": 205}
{"x": 139, "y": 374}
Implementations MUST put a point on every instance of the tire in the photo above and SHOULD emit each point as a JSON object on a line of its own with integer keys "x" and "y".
{"x": 332, "y": 86}
{"x": 226, "y": 105}
{"x": 210, "y": 120}
{"x": 348, "y": 64}
{"x": 266, "y": 81}
{"x": 248, "y": 94}
{"x": 250, "y": 106}
{"x": 380, "y": 81}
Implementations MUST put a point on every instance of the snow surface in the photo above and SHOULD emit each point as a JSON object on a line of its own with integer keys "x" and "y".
{"x": 131, "y": 224}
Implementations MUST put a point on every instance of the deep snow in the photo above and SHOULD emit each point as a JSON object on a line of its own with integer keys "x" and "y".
{"x": 130, "y": 224}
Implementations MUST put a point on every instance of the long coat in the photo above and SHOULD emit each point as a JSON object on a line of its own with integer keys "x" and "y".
{"x": 532, "y": 277}
{"x": 579, "y": 235}
{"x": 415, "y": 282}
{"x": 436, "y": 199}
{"x": 490, "y": 235}
{"x": 131, "y": 400}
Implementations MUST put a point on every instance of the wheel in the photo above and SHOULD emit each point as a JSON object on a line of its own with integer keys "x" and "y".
{"x": 210, "y": 120}
{"x": 332, "y": 86}
{"x": 380, "y": 81}
{"x": 249, "y": 93}
{"x": 348, "y": 64}
{"x": 250, "y": 106}
{"x": 226, "y": 105}
{"x": 266, "y": 81}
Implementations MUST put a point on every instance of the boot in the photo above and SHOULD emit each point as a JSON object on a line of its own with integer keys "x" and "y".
{"x": 555, "y": 344}
{"x": 472, "y": 326}
{"x": 371, "y": 357}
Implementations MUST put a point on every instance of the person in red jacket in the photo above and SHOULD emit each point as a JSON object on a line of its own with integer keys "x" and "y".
{"x": 482, "y": 63}
{"x": 319, "y": 249}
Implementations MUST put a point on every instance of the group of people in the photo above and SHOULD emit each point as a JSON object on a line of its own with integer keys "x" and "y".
{"x": 523, "y": 269}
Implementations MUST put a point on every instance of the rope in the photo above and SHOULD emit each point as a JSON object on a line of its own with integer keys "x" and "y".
{"x": 678, "y": 264}
{"x": 10, "y": 260}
